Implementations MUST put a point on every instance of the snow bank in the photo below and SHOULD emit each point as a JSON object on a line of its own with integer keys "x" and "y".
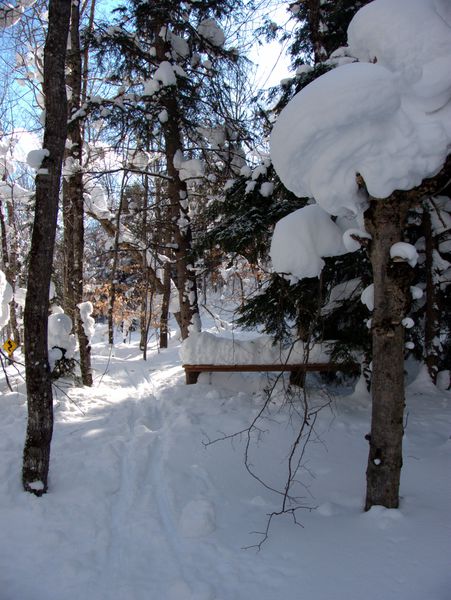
{"x": 132, "y": 484}
{"x": 389, "y": 121}
{"x": 207, "y": 348}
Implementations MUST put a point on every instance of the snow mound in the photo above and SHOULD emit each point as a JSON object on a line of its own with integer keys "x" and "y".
{"x": 198, "y": 518}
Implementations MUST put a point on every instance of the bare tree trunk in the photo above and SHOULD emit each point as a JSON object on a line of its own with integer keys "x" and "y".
{"x": 145, "y": 312}
{"x": 73, "y": 202}
{"x": 36, "y": 456}
{"x": 179, "y": 210}
{"x": 385, "y": 220}
{"x": 431, "y": 322}
{"x": 112, "y": 299}
{"x": 164, "y": 317}
{"x": 146, "y": 308}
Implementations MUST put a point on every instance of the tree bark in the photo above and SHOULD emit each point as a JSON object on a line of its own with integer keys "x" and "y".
{"x": 164, "y": 317}
{"x": 73, "y": 210}
{"x": 431, "y": 317}
{"x": 39, "y": 387}
{"x": 113, "y": 286}
{"x": 385, "y": 221}
{"x": 178, "y": 198}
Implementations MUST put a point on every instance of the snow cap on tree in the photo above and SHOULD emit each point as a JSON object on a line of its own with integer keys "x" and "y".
{"x": 387, "y": 117}
{"x": 297, "y": 250}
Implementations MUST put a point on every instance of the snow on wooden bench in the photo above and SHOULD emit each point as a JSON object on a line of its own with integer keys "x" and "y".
{"x": 205, "y": 352}
{"x": 192, "y": 372}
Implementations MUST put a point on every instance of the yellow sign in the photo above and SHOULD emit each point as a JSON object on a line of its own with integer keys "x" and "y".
{"x": 10, "y": 346}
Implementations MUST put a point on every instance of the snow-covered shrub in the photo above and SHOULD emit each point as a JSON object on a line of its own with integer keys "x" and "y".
{"x": 61, "y": 344}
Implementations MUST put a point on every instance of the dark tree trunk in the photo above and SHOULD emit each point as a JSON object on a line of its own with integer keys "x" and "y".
{"x": 385, "y": 221}
{"x": 113, "y": 286}
{"x": 178, "y": 199}
{"x": 73, "y": 210}
{"x": 164, "y": 317}
{"x": 431, "y": 318}
{"x": 146, "y": 303}
{"x": 39, "y": 387}
{"x": 145, "y": 313}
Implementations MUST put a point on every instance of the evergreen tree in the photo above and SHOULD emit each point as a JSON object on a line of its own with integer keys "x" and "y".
{"x": 166, "y": 60}
{"x": 245, "y": 217}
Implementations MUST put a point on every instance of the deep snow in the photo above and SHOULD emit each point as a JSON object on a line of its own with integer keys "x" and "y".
{"x": 140, "y": 508}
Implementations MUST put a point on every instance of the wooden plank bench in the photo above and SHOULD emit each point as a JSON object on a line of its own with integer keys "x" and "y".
{"x": 192, "y": 372}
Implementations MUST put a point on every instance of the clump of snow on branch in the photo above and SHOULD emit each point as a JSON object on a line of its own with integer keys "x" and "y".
{"x": 416, "y": 292}
{"x": 210, "y": 30}
{"x": 96, "y": 203}
{"x": 387, "y": 117}
{"x": 191, "y": 169}
{"x": 165, "y": 74}
{"x": 266, "y": 189}
{"x": 35, "y": 158}
{"x": 137, "y": 159}
{"x": 367, "y": 297}
{"x": 402, "y": 251}
{"x": 408, "y": 323}
{"x": 86, "y": 310}
{"x": 354, "y": 238}
{"x": 296, "y": 248}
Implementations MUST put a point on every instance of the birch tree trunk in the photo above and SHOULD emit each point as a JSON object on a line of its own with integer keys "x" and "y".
{"x": 36, "y": 456}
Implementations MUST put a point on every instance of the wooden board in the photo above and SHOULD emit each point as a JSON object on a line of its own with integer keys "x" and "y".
{"x": 193, "y": 371}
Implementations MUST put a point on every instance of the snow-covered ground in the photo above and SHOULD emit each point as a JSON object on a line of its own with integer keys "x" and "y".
{"x": 140, "y": 507}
